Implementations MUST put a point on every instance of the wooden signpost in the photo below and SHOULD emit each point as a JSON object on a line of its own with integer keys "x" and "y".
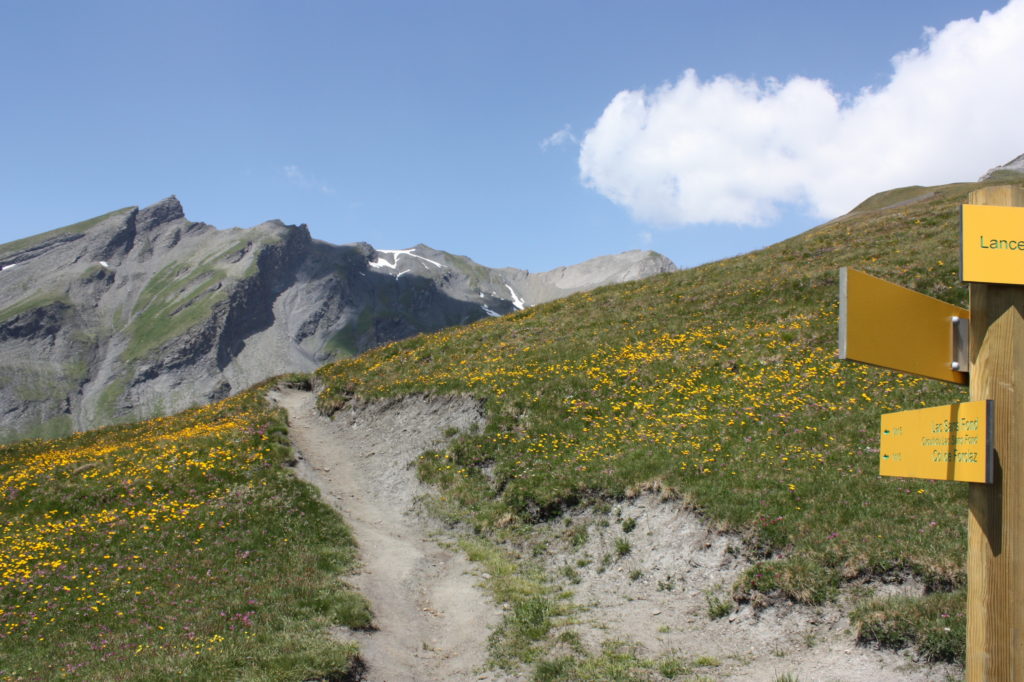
{"x": 981, "y": 441}
{"x": 995, "y": 546}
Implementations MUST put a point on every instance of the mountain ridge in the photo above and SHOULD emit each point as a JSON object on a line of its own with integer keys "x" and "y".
{"x": 142, "y": 311}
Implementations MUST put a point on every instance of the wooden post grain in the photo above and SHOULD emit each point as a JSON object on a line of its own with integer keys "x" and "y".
{"x": 995, "y": 555}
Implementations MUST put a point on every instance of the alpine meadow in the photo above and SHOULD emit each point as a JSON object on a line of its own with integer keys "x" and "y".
{"x": 185, "y": 547}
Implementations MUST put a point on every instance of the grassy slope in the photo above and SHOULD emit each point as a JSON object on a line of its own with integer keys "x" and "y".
{"x": 180, "y": 296}
{"x": 77, "y": 228}
{"x": 173, "y": 548}
{"x": 160, "y": 548}
{"x": 720, "y": 382}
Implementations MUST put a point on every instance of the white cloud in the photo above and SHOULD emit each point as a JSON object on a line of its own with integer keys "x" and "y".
{"x": 300, "y": 179}
{"x": 729, "y": 150}
{"x": 559, "y": 137}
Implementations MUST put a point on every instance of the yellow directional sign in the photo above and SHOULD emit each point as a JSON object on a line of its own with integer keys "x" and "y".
{"x": 891, "y": 326}
{"x": 951, "y": 443}
{"x": 992, "y": 244}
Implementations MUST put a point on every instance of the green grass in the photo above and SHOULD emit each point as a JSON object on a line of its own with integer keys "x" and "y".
{"x": 38, "y": 300}
{"x": 54, "y": 427}
{"x": 720, "y": 383}
{"x": 344, "y": 343}
{"x": 479, "y": 276}
{"x": 620, "y": 662}
{"x": 718, "y": 607}
{"x": 159, "y": 550}
{"x": 532, "y": 608}
{"x": 935, "y": 624}
{"x": 890, "y": 197}
{"x": 35, "y": 382}
{"x": 76, "y": 228}
{"x": 1010, "y": 177}
{"x": 179, "y": 297}
{"x": 175, "y": 299}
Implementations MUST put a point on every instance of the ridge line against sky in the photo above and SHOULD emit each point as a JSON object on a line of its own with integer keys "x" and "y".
{"x": 530, "y": 134}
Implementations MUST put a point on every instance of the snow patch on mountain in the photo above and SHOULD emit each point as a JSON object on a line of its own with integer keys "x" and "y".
{"x": 398, "y": 253}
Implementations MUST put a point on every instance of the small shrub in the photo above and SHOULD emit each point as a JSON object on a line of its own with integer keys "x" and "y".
{"x": 571, "y": 574}
{"x": 672, "y": 668}
{"x": 578, "y": 537}
{"x": 622, "y": 547}
{"x": 936, "y": 624}
{"x": 531, "y": 617}
{"x": 718, "y": 607}
{"x": 628, "y": 525}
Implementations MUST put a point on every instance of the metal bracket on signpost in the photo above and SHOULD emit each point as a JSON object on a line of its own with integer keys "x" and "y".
{"x": 961, "y": 344}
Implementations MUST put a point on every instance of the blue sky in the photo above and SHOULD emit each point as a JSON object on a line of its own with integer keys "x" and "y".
{"x": 530, "y": 133}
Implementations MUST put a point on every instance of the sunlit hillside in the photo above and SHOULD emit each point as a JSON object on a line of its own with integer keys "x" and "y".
{"x": 176, "y": 548}
{"x": 720, "y": 383}
{"x": 183, "y": 547}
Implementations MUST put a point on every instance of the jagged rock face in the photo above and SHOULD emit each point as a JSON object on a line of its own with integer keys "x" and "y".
{"x": 143, "y": 312}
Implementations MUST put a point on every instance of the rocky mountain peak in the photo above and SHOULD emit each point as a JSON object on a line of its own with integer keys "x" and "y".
{"x": 1016, "y": 166}
{"x": 141, "y": 311}
{"x": 164, "y": 211}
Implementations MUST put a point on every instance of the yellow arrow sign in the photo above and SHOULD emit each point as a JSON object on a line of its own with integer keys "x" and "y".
{"x": 891, "y": 326}
{"x": 949, "y": 443}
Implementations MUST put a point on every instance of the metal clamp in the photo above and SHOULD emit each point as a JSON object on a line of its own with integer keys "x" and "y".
{"x": 961, "y": 344}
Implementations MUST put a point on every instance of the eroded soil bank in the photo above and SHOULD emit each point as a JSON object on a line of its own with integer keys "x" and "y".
{"x": 662, "y": 596}
{"x": 433, "y": 619}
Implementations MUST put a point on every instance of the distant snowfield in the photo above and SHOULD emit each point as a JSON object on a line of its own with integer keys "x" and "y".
{"x": 397, "y": 253}
{"x": 519, "y": 303}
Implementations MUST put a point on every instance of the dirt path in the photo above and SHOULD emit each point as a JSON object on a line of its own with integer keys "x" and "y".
{"x": 432, "y": 619}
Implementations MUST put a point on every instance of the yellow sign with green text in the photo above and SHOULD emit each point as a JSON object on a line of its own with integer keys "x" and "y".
{"x": 948, "y": 443}
{"x": 992, "y": 244}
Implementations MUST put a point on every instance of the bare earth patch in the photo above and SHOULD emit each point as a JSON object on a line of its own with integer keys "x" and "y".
{"x": 663, "y": 586}
{"x": 432, "y": 620}
{"x": 661, "y": 594}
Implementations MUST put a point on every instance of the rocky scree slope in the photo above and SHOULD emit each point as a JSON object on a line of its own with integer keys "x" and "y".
{"x": 141, "y": 311}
